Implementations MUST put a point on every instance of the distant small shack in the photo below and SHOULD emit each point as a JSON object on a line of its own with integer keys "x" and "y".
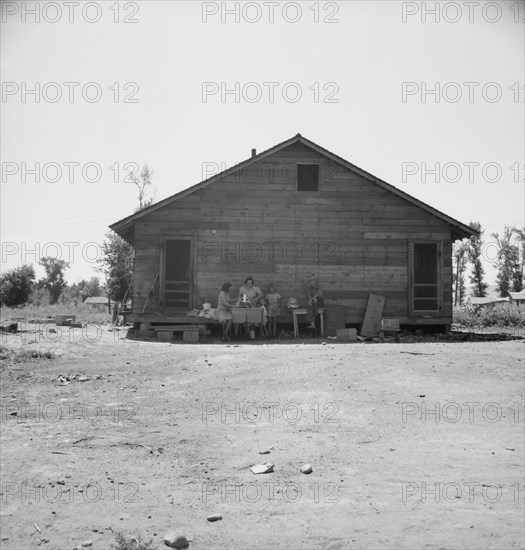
{"x": 99, "y": 302}
{"x": 517, "y": 298}
{"x": 485, "y": 302}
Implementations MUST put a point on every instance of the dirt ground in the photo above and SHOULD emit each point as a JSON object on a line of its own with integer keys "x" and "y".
{"x": 412, "y": 445}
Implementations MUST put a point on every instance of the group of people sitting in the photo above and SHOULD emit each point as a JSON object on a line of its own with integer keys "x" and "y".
{"x": 252, "y": 296}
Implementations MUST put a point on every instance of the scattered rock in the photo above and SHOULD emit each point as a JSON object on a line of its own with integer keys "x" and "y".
{"x": 306, "y": 469}
{"x": 214, "y": 517}
{"x": 175, "y": 540}
{"x": 83, "y": 378}
{"x": 87, "y": 543}
{"x": 265, "y": 452}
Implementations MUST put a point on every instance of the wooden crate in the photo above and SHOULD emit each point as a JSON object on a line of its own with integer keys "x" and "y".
{"x": 64, "y": 320}
{"x": 346, "y": 335}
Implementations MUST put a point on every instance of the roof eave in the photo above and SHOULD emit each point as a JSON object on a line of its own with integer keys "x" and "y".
{"x": 125, "y": 227}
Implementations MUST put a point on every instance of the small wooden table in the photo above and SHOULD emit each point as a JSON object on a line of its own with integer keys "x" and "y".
{"x": 299, "y": 311}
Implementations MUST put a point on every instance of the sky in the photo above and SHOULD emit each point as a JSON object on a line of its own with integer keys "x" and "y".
{"x": 427, "y": 96}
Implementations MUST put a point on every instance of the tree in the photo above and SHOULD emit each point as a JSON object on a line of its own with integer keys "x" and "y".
{"x": 510, "y": 260}
{"x": 79, "y": 292}
{"x": 459, "y": 257}
{"x": 142, "y": 182}
{"x": 117, "y": 265}
{"x": 16, "y": 286}
{"x": 520, "y": 268}
{"x": 86, "y": 289}
{"x": 54, "y": 280}
{"x": 474, "y": 256}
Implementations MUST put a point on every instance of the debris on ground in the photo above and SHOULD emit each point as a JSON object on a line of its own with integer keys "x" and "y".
{"x": 306, "y": 469}
{"x": 264, "y": 468}
{"x": 175, "y": 540}
{"x": 13, "y": 328}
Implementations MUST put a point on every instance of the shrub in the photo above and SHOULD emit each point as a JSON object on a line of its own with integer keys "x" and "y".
{"x": 500, "y": 315}
{"x": 16, "y": 286}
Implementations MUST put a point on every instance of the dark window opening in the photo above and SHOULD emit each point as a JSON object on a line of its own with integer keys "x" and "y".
{"x": 307, "y": 177}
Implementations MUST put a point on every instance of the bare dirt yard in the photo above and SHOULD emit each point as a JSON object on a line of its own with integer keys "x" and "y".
{"x": 412, "y": 445}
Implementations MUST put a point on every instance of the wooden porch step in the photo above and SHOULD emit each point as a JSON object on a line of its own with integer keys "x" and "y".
{"x": 175, "y": 328}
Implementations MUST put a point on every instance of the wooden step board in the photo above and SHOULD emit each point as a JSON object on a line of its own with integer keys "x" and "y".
{"x": 190, "y": 333}
{"x": 374, "y": 312}
{"x": 175, "y": 328}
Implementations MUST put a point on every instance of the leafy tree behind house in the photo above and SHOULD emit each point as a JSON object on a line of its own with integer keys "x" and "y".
{"x": 143, "y": 182}
{"x": 16, "y": 286}
{"x": 509, "y": 260}
{"x": 519, "y": 278}
{"x": 117, "y": 254}
{"x": 54, "y": 281}
{"x": 117, "y": 265}
{"x": 460, "y": 258}
{"x": 477, "y": 275}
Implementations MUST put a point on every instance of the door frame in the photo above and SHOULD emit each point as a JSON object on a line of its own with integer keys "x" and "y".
{"x": 421, "y": 312}
{"x": 162, "y": 278}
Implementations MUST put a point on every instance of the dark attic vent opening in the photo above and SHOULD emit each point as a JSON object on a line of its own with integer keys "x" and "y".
{"x": 307, "y": 177}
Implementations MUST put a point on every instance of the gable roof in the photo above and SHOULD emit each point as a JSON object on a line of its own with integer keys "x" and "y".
{"x": 124, "y": 227}
{"x": 517, "y": 295}
{"x": 97, "y": 300}
{"x": 477, "y": 301}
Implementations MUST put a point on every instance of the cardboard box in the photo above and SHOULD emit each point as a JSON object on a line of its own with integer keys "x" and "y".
{"x": 347, "y": 335}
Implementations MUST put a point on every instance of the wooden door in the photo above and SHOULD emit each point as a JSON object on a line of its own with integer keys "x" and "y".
{"x": 426, "y": 288}
{"x": 177, "y": 274}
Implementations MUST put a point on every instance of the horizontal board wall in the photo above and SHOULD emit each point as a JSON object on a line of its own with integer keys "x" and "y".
{"x": 352, "y": 234}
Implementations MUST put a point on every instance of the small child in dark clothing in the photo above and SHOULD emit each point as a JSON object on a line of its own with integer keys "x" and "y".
{"x": 274, "y": 310}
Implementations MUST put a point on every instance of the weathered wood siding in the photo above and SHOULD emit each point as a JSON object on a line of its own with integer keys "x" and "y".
{"x": 352, "y": 234}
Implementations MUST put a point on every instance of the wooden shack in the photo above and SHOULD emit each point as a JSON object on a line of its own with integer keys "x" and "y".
{"x": 282, "y": 215}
